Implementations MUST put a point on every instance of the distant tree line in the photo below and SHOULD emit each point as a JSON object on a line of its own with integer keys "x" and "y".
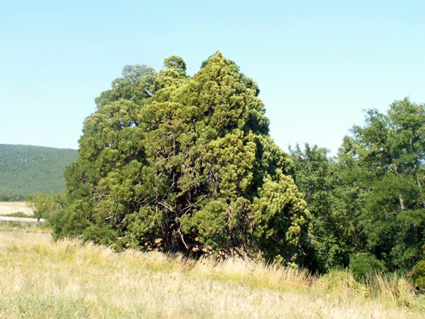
{"x": 183, "y": 163}
{"x": 11, "y": 198}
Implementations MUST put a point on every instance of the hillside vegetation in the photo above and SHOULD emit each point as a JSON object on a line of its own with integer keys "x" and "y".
{"x": 29, "y": 169}
{"x": 87, "y": 281}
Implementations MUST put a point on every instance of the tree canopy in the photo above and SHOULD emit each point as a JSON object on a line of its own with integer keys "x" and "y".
{"x": 184, "y": 164}
{"x": 331, "y": 206}
{"x": 387, "y": 156}
{"x": 368, "y": 204}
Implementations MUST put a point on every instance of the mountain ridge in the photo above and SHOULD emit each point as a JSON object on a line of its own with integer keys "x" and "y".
{"x": 27, "y": 169}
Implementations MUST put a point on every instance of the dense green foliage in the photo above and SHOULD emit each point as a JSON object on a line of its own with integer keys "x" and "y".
{"x": 418, "y": 275}
{"x": 365, "y": 265}
{"x": 185, "y": 163}
{"x": 331, "y": 237}
{"x": 369, "y": 202}
{"x": 387, "y": 156}
{"x": 26, "y": 170}
{"x": 182, "y": 163}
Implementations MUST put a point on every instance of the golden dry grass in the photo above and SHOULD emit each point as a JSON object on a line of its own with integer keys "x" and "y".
{"x": 43, "y": 279}
{"x": 7, "y": 208}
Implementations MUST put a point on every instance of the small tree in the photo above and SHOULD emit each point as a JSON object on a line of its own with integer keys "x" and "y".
{"x": 44, "y": 206}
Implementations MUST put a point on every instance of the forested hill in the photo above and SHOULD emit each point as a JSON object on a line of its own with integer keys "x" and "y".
{"x": 28, "y": 169}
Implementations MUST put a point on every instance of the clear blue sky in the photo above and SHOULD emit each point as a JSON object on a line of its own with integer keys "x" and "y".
{"x": 318, "y": 63}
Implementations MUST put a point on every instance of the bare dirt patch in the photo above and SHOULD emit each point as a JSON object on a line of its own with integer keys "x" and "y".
{"x": 7, "y": 208}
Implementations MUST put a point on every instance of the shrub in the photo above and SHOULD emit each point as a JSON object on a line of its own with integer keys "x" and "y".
{"x": 364, "y": 265}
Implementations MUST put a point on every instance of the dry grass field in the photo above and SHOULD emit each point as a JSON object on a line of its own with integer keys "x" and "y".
{"x": 7, "y": 208}
{"x": 43, "y": 279}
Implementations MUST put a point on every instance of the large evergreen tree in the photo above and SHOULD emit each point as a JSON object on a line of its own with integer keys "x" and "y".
{"x": 182, "y": 163}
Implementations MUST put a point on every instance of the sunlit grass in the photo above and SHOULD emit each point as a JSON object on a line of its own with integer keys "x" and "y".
{"x": 43, "y": 279}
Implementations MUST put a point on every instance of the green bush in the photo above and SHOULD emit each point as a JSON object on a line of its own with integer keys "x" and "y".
{"x": 418, "y": 275}
{"x": 364, "y": 265}
{"x": 45, "y": 206}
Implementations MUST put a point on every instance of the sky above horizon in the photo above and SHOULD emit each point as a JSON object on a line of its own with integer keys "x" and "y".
{"x": 318, "y": 63}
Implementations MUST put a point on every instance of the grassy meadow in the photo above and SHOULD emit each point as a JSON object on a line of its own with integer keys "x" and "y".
{"x": 10, "y": 208}
{"x": 45, "y": 279}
